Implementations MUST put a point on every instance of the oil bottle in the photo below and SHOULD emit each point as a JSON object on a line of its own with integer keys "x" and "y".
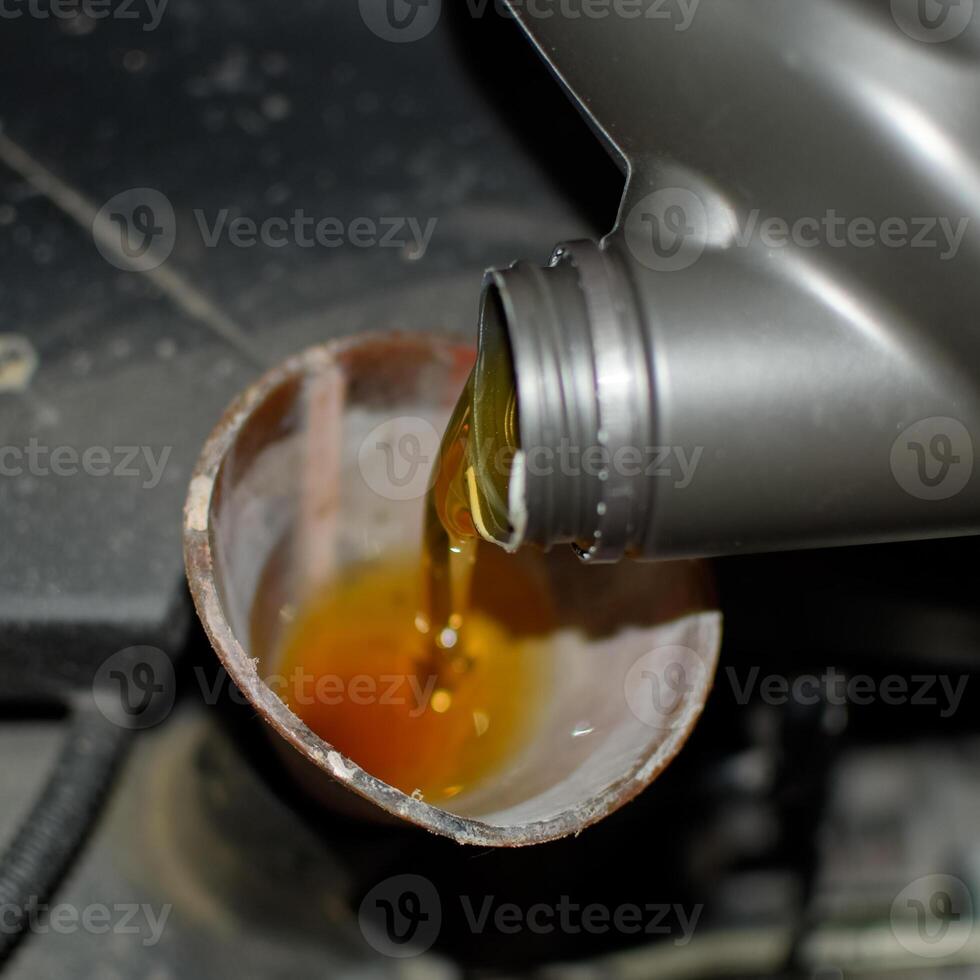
{"x": 769, "y": 350}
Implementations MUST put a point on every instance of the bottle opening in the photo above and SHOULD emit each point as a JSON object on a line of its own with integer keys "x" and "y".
{"x": 496, "y": 492}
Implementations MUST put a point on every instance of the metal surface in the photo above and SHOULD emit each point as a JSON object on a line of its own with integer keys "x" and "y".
{"x": 827, "y": 382}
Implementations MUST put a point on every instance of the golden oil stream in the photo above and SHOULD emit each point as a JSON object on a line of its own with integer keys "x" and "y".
{"x": 424, "y": 674}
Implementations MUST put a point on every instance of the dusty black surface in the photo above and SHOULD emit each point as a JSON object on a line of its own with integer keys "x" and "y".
{"x": 264, "y": 108}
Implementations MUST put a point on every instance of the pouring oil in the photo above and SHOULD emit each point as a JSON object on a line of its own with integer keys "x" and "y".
{"x": 423, "y": 675}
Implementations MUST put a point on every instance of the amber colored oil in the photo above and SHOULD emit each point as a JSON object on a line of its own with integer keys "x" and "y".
{"x": 468, "y": 499}
{"x": 422, "y": 674}
{"x": 359, "y": 672}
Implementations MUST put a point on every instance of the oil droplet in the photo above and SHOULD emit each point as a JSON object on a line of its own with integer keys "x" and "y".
{"x": 441, "y": 701}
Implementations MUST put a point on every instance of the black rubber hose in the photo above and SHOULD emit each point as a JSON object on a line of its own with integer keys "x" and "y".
{"x": 50, "y": 836}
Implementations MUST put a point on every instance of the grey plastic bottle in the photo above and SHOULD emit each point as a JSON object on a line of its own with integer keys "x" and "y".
{"x": 778, "y": 345}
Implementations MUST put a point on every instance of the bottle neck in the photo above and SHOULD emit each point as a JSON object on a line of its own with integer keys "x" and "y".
{"x": 583, "y": 401}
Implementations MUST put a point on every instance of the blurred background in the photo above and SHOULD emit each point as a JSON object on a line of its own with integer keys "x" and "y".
{"x": 824, "y": 820}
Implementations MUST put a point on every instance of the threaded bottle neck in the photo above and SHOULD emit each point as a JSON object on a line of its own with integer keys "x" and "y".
{"x": 583, "y": 399}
